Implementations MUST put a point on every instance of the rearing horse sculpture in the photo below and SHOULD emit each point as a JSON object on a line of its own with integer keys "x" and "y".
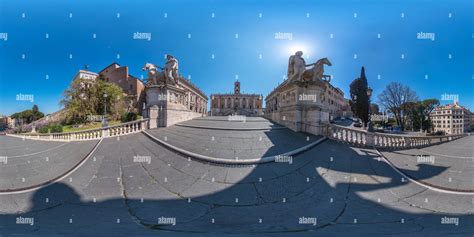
{"x": 153, "y": 73}
{"x": 317, "y": 71}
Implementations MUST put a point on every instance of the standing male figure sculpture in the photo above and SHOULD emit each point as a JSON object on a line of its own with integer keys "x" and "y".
{"x": 171, "y": 69}
{"x": 168, "y": 75}
{"x": 296, "y": 66}
{"x": 297, "y": 69}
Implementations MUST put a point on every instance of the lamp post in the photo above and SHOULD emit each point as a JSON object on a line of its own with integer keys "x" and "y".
{"x": 370, "y": 128}
{"x": 104, "y": 120}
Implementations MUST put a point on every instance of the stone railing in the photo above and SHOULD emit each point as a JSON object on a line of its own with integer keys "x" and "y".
{"x": 348, "y": 135}
{"x": 361, "y": 137}
{"x": 91, "y": 134}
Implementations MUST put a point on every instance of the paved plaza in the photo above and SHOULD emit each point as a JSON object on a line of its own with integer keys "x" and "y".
{"x": 133, "y": 186}
{"x": 210, "y": 137}
{"x": 447, "y": 165}
{"x": 32, "y": 163}
{"x": 226, "y": 123}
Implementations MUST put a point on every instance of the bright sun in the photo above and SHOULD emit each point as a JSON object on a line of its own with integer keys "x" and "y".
{"x": 293, "y": 48}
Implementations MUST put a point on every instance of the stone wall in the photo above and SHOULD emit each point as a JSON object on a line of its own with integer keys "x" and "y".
{"x": 176, "y": 116}
{"x": 168, "y": 105}
{"x": 300, "y": 106}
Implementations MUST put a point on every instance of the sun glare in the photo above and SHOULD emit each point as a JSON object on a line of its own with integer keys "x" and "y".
{"x": 293, "y": 48}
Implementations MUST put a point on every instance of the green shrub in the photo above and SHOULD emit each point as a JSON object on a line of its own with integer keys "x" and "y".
{"x": 56, "y": 128}
{"x": 44, "y": 129}
{"x": 128, "y": 116}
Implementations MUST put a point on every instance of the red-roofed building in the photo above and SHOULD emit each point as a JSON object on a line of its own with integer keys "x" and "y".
{"x": 132, "y": 86}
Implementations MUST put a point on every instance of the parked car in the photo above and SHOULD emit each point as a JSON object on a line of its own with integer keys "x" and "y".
{"x": 397, "y": 129}
{"x": 358, "y": 124}
{"x": 379, "y": 129}
{"x": 388, "y": 128}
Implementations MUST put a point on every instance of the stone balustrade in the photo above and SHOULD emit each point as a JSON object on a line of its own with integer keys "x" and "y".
{"x": 92, "y": 134}
{"x": 383, "y": 140}
{"x": 348, "y": 135}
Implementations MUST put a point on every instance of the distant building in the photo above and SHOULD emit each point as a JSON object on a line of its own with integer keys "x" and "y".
{"x": 346, "y": 109}
{"x": 337, "y": 105}
{"x": 87, "y": 75}
{"x": 451, "y": 119}
{"x": 131, "y": 86}
{"x": 12, "y": 122}
{"x": 89, "y": 79}
{"x": 9, "y": 122}
{"x": 3, "y": 122}
{"x": 236, "y": 103}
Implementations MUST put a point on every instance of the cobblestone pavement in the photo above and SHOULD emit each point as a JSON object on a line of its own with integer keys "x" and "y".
{"x": 131, "y": 186}
{"x": 27, "y": 163}
{"x": 449, "y": 165}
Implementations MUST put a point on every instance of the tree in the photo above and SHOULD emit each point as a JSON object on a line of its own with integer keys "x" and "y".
{"x": 36, "y": 114}
{"x": 374, "y": 108}
{"x": 359, "y": 99}
{"x": 419, "y": 113}
{"x": 393, "y": 97}
{"x": 79, "y": 101}
{"x": 412, "y": 111}
{"x": 29, "y": 115}
{"x": 84, "y": 98}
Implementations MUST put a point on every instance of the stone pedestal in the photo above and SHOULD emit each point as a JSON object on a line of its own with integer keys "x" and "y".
{"x": 168, "y": 105}
{"x": 300, "y": 106}
{"x": 153, "y": 113}
{"x": 370, "y": 139}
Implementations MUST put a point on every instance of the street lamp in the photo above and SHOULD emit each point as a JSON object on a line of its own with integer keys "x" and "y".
{"x": 370, "y": 128}
{"x": 104, "y": 120}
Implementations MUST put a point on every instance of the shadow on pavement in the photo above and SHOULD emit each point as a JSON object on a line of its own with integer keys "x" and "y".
{"x": 342, "y": 194}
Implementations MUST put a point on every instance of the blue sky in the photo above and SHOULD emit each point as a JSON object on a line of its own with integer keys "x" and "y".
{"x": 310, "y": 23}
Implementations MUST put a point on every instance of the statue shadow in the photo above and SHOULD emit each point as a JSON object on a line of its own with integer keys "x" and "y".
{"x": 347, "y": 189}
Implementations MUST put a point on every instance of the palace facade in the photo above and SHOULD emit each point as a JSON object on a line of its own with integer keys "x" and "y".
{"x": 451, "y": 119}
{"x": 236, "y": 103}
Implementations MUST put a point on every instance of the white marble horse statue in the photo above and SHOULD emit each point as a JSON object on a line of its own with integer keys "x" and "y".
{"x": 153, "y": 73}
{"x": 317, "y": 71}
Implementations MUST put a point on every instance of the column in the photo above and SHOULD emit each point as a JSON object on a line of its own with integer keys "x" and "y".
{"x": 188, "y": 100}
{"x": 196, "y": 108}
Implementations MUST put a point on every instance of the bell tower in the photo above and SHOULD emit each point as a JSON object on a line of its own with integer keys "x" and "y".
{"x": 236, "y": 87}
